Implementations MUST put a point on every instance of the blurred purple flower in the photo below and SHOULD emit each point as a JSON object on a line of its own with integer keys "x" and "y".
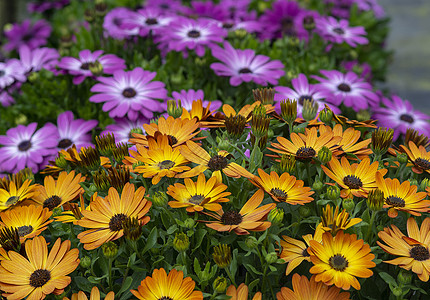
{"x": 32, "y": 35}
{"x": 71, "y": 131}
{"x": 6, "y": 99}
{"x": 81, "y": 68}
{"x": 42, "y": 6}
{"x": 35, "y": 60}
{"x": 301, "y": 91}
{"x": 23, "y": 146}
{"x": 187, "y": 34}
{"x": 187, "y": 98}
{"x": 339, "y": 31}
{"x": 303, "y": 21}
{"x": 349, "y": 89}
{"x": 235, "y": 8}
{"x": 113, "y": 23}
{"x": 362, "y": 69}
{"x": 400, "y": 115}
{"x": 10, "y": 71}
{"x": 122, "y": 128}
{"x": 129, "y": 93}
{"x": 147, "y": 20}
{"x": 207, "y": 9}
{"x": 245, "y": 65}
{"x": 339, "y": 8}
{"x": 247, "y": 22}
{"x": 173, "y": 6}
{"x": 373, "y": 5}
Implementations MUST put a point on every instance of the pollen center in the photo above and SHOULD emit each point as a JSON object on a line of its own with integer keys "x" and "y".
{"x": 407, "y": 118}
{"x": 338, "y": 262}
{"x": 339, "y": 30}
{"x": 196, "y": 199}
{"x": 395, "y": 201}
{"x": 193, "y": 34}
{"x": 165, "y": 298}
{"x": 305, "y": 153}
{"x": 419, "y": 253}
{"x": 12, "y": 200}
{"x": 24, "y": 230}
{"x": 39, "y": 278}
{"x": 64, "y": 143}
{"x": 2, "y": 73}
{"x": 353, "y": 182}
{"x": 244, "y": 71}
{"x": 172, "y": 140}
{"x": 166, "y": 164}
{"x": 278, "y": 193}
{"x": 231, "y": 218}
{"x": 52, "y": 202}
{"x": 129, "y": 92}
{"x": 305, "y": 252}
{"x": 151, "y": 21}
{"x": 218, "y": 162}
{"x": 344, "y": 87}
{"x": 24, "y": 145}
{"x": 115, "y": 223}
{"x": 422, "y": 163}
{"x": 303, "y": 98}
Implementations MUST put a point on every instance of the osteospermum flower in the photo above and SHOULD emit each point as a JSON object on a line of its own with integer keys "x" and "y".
{"x": 339, "y": 260}
{"x": 356, "y": 179}
{"x": 412, "y": 250}
{"x": 42, "y": 6}
{"x": 245, "y": 66}
{"x": 400, "y": 115}
{"x": 403, "y": 197}
{"x": 241, "y": 293}
{"x": 95, "y": 295}
{"x": 348, "y": 89}
{"x": 55, "y": 193}
{"x": 339, "y": 31}
{"x": 129, "y": 93}
{"x": 11, "y": 71}
{"x": 162, "y": 286}
{"x": 90, "y": 64}
{"x": 419, "y": 157}
{"x": 107, "y": 215}
{"x": 13, "y": 194}
{"x": 23, "y": 146}
{"x": 39, "y": 273}
{"x": 284, "y": 188}
{"x": 6, "y": 99}
{"x": 29, "y": 220}
{"x": 302, "y": 91}
{"x": 32, "y": 35}
{"x": 39, "y": 58}
{"x": 188, "y": 96}
{"x": 304, "y": 289}
{"x": 148, "y": 20}
{"x": 217, "y": 163}
{"x": 196, "y": 196}
{"x": 114, "y": 21}
{"x": 184, "y": 34}
{"x": 250, "y": 217}
{"x": 332, "y": 221}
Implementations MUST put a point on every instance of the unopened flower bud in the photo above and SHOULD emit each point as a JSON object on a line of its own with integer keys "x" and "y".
{"x": 298, "y": 129}
{"x": 413, "y": 181}
{"x": 222, "y": 255}
{"x": 304, "y": 211}
{"x": 173, "y": 109}
{"x": 310, "y": 109}
{"x": 189, "y": 223}
{"x": 264, "y": 95}
{"x": 159, "y": 199}
{"x": 220, "y": 284}
{"x": 375, "y": 200}
{"x": 181, "y": 242}
{"x": 348, "y": 204}
{"x": 381, "y": 140}
{"x": 317, "y": 186}
{"x": 404, "y": 277}
{"x": 276, "y": 216}
{"x": 235, "y": 126}
{"x": 424, "y": 184}
{"x": 287, "y": 164}
{"x": 363, "y": 115}
{"x": 325, "y": 155}
{"x": 289, "y": 110}
{"x": 57, "y": 211}
{"x": 309, "y": 22}
{"x": 333, "y": 192}
{"x": 96, "y": 68}
{"x": 402, "y": 158}
{"x": 110, "y": 249}
{"x": 251, "y": 242}
{"x": 60, "y": 161}
{"x": 132, "y": 228}
{"x": 396, "y": 290}
{"x": 260, "y": 121}
{"x": 271, "y": 257}
{"x": 85, "y": 262}
{"x": 326, "y": 116}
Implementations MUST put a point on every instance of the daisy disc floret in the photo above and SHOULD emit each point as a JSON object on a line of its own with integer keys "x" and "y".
{"x": 419, "y": 157}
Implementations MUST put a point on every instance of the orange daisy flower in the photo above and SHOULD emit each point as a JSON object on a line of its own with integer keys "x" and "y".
{"x": 217, "y": 164}
{"x": 107, "y": 215}
{"x": 356, "y": 179}
{"x": 284, "y": 188}
{"x": 197, "y": 111}
{"x": 304, "y": 289}
{"x": 95, "y": 295}
{"x": 403, "y": 197}
{"x": 250, "y": 217}
{"x": 333, "y": 221}
{"x": 14, "y": 194}
{"x": 413, "y": 250}
{"x": 241, "y": 293}
{"x": 198, "y": 195}
{"x": 419, "y": 157}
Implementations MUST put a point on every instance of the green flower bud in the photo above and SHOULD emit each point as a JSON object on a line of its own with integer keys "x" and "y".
{"x": 404, "y": 277}
{"x": 379, "y": 228}
{"x": 224, "y": 145}
{"x": 289, "y": 110}
{"x": 92, "y": 188}
{"x": 173, "y": 109}
{"x": 270, "y": 133}
{"x": 397, "y": 291}
{"x": 60, "y": 161}
{"x": 402, "y": 158}
{"x": 21, "y": 119}
{"x": 264, "y": 95}
{"x": 251, "y": 242}
{"x": 310, "y": 109}
{"x": 276, "y": 216}
{"x": 413, "y": 181}
{"x": 326, "y": 116}
{"x": 363, "y": 115}
{"x": 189, "y": 223}
{"x": 181, "y": 242}
{"x": 96, "y": 68}
{"x": 33, "y": 77}
{"x": 235, "y": 126}
{"x": 220, "y": 284}
{"x": 271, "y": 257}
{"x": 159, "y": 199}
{"x": 240, "y": 33}
{"x": 85, "y": 262}
{"x": 222, "y": 255}
{"x": 325, "y": 155}
{"x": 381, "y": 140}
{"x": 287, "y": 164}
{"x": 304, "y": 211}
{"x": 424, "y": 184}
{"x": 298, "y": 129}
{"x": 317, "y": 186}
{"x": 333, "y": 192}
{"x": 110, "y": 249}
{"x": 348, "y": 204}
{"x": 375, "y": 200}
{"x": 57, "y": 211}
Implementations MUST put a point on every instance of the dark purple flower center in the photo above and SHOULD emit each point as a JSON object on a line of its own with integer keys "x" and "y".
{"x": 422, "y": 163}
{"x": 52, "y": 202}
{"x": 244, "y": 71}
{"x": 39, "y": 278}
{"x": 87, "y": 65}
{"x": 115, "y": 223}
{"x": 352, "y": 181}
{"x": 305, "y": 153}
{"x": 231, "y": 218}
{"x": 24, "y": 145}
{"x": 227, "y": 25}
{"x": 164, "y": 6}
{"x": 166, "y": 164}
{"x": 395, "y": 201}
{"x": 338, "y": 262}
{"x": 278, "y": 193}
{"x": 27, "y": 37}
{"x": 193, "y": 34}
{"x": 151, "y": 21}
{"x": 303, "y": 98}
{"x": 196, "y": 199}
{"x": 24, "y": 230}
{"x": 287, "y": 25}
{"x": 2, "y": 73}
{"x": 305, "y": 252}
{"x": 419, "y": 252}
{"x": 64, "y": 143}
{"x": 129, "y": 92}
{"x": 407, "y": 118}
{"x": 308, "y": 20}
{"x": 339, "y": 30}
{"x": 217, "y": 163}
{"x": 344, "y": 87}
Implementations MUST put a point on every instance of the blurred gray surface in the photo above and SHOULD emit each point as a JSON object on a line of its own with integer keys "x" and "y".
{"x": 409, "y": 74}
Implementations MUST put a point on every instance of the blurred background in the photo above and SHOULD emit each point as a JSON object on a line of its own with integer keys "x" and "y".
{"x": 409, "y": 73}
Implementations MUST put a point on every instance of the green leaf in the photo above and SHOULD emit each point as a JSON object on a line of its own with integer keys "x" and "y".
{"x": 83, "y": 283}
{"x": 254, "y": 270}
{"x": 253, "y": 284}
{"x": 197, "y": 268}
{"x": 388, "y": 279}
{"x": 200, "y": 234}
{"x": 126, "y": 285}
{"x": 151, "y": 240}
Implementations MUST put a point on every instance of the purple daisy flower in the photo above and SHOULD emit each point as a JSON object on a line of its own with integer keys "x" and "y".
{"x": 129, "y": 93}
{"x": 339, "y": 8}
{"x": 339, "y": 31}
{"x": 348, "y": 89}
{"x": 33, "y": 36}
{"x": 72, "y": 131}
{"x": 6, "y": 99}
{"x": 373, "y": 5}
{"x": 148, "y": 20}
{"x": 187, "y": 34}
{"x": 247, "y": 22}
{"x": 42, "y": 6}
{"x": 122, "y": 128}
{"x": 279, "y": 21}
{"x": 81, "y": 68}
{"x": 207, "y": 9}
{"x": 235, "y": 8}
{"x": 305, "y": 22}
{"x": 187, "y": 98}
{"x": 301, "y": 91}
{"x": 245, "y": 65}
{"x": 35, "y": 60}
{"x": 362, "y": 69}
{"x": 173, "y": 6}
{"x": 400, "y": 115}
{"x": 23, "y": 146}
{"x": 10, "y": 71}
{"x": 113, "y": 23}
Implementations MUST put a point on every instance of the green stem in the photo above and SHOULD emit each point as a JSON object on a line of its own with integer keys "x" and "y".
{"x": 227, "y": 270}
{"x": 264, "y": 277}
{"x": 125, "y": 275}
{"x": 369, "y": 234}
{"x": 110, "y": 260}
{"x": 308, "y": 171}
